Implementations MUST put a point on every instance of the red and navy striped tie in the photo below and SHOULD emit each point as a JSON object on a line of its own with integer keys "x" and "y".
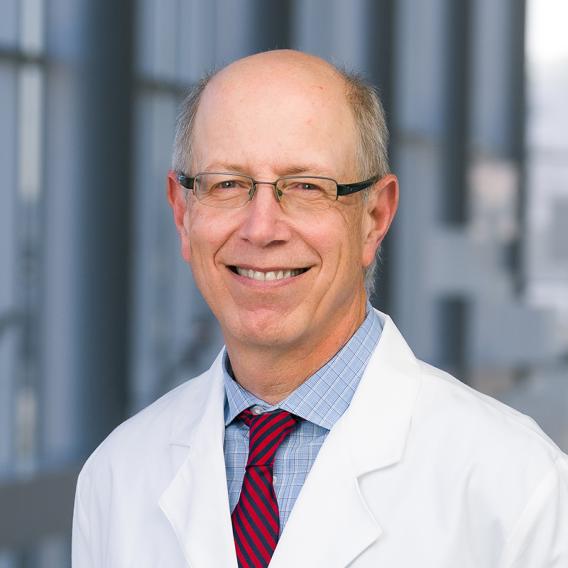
{"x": 256, "y": 520}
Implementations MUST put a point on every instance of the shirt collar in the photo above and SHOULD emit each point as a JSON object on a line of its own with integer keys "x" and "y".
{"x": 324, "y": 396}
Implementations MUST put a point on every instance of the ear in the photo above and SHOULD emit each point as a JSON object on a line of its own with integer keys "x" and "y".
{"x": 178, "y": 201}
{"x": 380, "y": 208}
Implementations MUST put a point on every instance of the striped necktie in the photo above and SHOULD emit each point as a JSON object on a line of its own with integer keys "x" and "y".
{"x": 256, "y": 519}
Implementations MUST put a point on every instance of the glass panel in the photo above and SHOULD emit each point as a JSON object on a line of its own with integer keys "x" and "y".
{"x": 196, "y": 39}
{"x": 157, "y": 35}
{"x": 544, "y": 393}
{"x": 10, "y": 318}
{"x": 8, "y": 22}
{"x": 28, "y": 283}
{"x": 31, "y": 25}
{"x": 547, "y": 137}
{"x": 420, "y": 67}
{"x": 235, "y": 34}
{"x": 54, "y": 551}
{"x": 30, "y": 113}
{"x": 152, "y": 257}
{"x": 7, "y": 559}
{"x": 144, "y": 36}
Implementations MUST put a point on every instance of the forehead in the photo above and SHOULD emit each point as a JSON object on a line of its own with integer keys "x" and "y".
{"x": 269, "y": 113}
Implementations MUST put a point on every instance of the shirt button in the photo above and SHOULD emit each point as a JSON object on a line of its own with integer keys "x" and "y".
{"x": 257, "y": 410}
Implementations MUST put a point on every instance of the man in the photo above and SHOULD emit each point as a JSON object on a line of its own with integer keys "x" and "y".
{"x": 316, "y": 439}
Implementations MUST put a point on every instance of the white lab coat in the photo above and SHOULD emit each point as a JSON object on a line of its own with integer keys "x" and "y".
{"x": 420, "y": 471}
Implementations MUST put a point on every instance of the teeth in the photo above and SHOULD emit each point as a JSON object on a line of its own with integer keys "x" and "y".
{"x": 272, "y": 275}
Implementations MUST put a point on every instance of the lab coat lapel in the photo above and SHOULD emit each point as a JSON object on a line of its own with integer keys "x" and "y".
{"x": 196, "y": 501}
{"x": 334, "y": 520}
{"x": 330, "y": 523}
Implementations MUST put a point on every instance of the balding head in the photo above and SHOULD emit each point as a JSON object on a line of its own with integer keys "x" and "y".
{"x": 276, "y": 101}
{"x": 283, "y": 61}
{"x": 299, "y": 68}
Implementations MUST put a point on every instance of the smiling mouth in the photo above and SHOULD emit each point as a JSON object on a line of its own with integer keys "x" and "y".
{"x": 269, "y": 275}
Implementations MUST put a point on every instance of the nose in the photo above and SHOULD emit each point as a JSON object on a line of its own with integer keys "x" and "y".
{"x": 276, "y": 192}
{"x": 264, "y": 222}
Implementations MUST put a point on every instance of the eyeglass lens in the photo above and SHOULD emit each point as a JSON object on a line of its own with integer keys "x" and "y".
{"x": 230, "y": 191}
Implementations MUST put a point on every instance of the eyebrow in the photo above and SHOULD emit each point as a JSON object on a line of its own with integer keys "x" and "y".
{"x": 223, "y": 167}
{"x": 302, "y": 169}
{"x": 280, "y": 171}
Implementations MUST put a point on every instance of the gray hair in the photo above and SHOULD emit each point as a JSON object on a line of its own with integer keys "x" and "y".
{"x": 365, "y": 103}
{"x": 372, "y": 151}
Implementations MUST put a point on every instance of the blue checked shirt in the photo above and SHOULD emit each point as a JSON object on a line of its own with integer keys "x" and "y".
{"x": 319, "y": 401}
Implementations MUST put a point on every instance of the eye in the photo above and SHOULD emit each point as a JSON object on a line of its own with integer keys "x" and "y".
{"x": 227, "y": 184}
{"x": 308, "y": 186}
{"x": 303, "y": 185}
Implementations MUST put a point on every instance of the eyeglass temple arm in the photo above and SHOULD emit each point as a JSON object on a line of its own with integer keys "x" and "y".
{"x": 348, "y": 188}
{"x": 185, "y": 181}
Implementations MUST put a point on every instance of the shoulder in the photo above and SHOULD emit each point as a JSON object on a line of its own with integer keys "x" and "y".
{"x": 147, "y": 433}
{"x": 492, "y": 477}
{"x": 499, "y": 456}
{"x": 445, "y": 400}
{"x": 508, "y": 468}
{"x": 457, "y": 432}
{"x": 446, "y": 409}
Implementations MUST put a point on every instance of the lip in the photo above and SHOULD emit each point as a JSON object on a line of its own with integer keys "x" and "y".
{"x": 273, "y": 268}
{"x": 266, "y": 283}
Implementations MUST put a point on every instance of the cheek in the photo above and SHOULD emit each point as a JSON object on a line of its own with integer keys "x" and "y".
{"x": 207, "y": 233}
{"x": 353, "y": 241}
{"x": 340, "y": 250}
{"x": 197, "y": 242}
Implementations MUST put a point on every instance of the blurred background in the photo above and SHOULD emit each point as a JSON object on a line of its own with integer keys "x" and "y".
{"x": 98, "y": 314}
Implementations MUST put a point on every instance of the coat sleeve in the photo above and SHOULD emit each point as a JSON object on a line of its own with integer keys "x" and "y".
{"x": 540, "y": 536}
{"x": 88, "y": 536}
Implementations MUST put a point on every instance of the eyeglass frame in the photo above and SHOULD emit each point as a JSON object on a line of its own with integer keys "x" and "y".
{"x": 187, "y": 182}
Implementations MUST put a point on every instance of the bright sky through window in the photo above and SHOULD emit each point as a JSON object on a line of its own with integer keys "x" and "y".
{"x": 547, "y": 40}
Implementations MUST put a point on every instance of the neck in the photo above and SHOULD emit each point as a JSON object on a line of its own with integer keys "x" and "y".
{"x": 272, "y": 373}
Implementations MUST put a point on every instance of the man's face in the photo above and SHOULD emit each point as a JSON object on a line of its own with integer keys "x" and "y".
{"x": 265, "y": 122}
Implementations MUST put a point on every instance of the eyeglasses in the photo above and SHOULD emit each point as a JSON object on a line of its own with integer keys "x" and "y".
{"x": 227, "y": 190}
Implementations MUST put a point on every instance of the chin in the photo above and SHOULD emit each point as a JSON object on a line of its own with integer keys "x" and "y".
{"x": 265, "y": 328}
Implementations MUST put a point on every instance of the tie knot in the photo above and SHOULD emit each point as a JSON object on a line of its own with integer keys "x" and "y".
{"x": 266, "y": 432}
